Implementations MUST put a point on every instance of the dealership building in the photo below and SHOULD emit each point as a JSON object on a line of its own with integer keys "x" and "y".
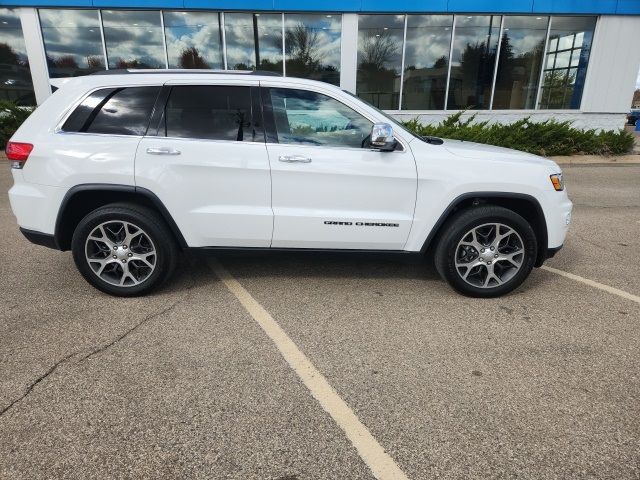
{"x": 503, "y": 60}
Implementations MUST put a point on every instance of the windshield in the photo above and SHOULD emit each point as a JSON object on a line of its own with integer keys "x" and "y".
{"x": 386, "y": 115}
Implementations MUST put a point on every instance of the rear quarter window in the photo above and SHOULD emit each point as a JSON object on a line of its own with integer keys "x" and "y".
{"x": 116, "y": 111}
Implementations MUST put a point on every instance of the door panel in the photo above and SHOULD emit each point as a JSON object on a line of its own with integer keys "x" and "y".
{"x": 218, "y": 189}
{"x": 342, "y": 198}
{"x": 327, "y": 192}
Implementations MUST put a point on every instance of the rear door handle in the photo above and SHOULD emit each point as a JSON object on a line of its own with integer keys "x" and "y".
{"x": 163, "y": 151}
{"x": 294, "y": 159}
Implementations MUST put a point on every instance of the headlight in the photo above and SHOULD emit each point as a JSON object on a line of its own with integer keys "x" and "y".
{"x": 556, "y": 180}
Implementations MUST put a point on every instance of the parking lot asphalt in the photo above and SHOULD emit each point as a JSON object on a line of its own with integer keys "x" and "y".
{"x": 543, "y": 383}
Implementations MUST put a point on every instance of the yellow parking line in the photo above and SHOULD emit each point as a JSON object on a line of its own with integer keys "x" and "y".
{"x": 591, "y": 283}
{"x": 379, "y": 461}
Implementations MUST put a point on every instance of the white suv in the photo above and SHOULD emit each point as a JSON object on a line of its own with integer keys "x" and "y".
{"x": 127, "y": 168}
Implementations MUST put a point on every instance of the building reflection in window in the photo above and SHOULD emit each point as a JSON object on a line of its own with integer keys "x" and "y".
{"x": 565, "y": 65}
{"x": 521, "y": 48}
{"x": 133, "y": 38}
{"x": 380, "y": 39}
{"x": 312, "y": 46}
{"x": 475, "y": 44}
{"x": 426, "y": 61}
{"x": 254, "y": 41}
{"x": 194, "y": 39}
{"x": 15, "y": 76}
{"x": 72, "y": 42}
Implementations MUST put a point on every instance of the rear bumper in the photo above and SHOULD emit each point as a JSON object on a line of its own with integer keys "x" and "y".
{"x": 39, "y": 238}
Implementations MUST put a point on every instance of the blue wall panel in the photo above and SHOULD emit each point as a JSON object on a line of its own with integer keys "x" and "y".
{"x": 604, "y": 7}
{"x": 142, "y": 3}
{"x": 227, "y": 5}
{"x": 491, "y": 6}
{"x": 326, "y": 6}
{"x": 626, "y": 7}
{"x": 434, "y": 6}
{"x": 576, "y": 6}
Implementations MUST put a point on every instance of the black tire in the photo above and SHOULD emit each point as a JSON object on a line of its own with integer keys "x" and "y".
{"x": 457, "y": 228}
{"x": 152, "y": 225}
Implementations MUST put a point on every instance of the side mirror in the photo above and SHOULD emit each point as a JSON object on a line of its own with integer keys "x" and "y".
{"x": 382, "y": 137}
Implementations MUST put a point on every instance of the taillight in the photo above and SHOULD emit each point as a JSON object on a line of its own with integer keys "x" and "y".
{"x": 18, "y": 153}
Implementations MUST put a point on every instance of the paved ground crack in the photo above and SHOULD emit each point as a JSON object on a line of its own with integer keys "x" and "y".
{"x": 36, "y": 382}
{"x": 54, "y": 367}
{"x": 129, "y": 332}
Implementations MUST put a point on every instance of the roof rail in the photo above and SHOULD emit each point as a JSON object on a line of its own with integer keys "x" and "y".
{"x": 125, "y": 71}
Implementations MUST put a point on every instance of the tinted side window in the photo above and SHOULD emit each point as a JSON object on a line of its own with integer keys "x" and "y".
{"x": 119, "y": 111}
{"x": 303, "y": 117}
{"x": 211, "y": 112}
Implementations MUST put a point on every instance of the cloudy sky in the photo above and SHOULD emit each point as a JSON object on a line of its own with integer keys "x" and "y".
{"x": 638, "y": 80}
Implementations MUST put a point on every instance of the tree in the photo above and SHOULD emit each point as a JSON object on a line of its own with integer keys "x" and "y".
{"x": 302, "y": 46}
{"x": 66, "y": 61}
{"x": 8, "y": 56}
{"x": 191, "y": 58}
{"x": 94, "y": 62}
{"x": 130, "y": 64}
{"x": 378, "y": 49}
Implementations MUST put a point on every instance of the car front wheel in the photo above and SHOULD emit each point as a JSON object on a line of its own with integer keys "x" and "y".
{"x": 123, "y": 249}
{"x": 486, "y": 251}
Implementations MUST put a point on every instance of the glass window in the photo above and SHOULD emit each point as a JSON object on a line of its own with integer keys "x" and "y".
{"x": 193, "y": 39}
{"x": 520, "y": 61}
{"x": 426, "y": 61}
{"x": 567, "y": 60}
{"x": 78, "y": 118}
{"x": 312, "y": 46}
{"x": 380, "y": 40}
{"x": 117, "y": 111}
{"x": 72, "y": 42}
{"x": 475, "y": 44}
{"x": 210, "y": 112}
{"x": 15, "y": 76}
{"x": 254, "y": 41}
{"x": 310, "y": 118}
{"x": 133, "y": 38}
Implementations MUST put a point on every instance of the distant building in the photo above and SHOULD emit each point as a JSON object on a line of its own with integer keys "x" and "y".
{"x": 559, "y": 59}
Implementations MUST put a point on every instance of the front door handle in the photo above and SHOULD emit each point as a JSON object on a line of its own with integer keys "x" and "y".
{"x": 163, "y": 151}
{"x": 294, "y": 159}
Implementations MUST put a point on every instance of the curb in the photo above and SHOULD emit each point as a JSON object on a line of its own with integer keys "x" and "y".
{"x": 584, "y": 160}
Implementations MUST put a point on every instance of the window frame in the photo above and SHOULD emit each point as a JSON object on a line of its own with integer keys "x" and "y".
{"x": 63, "y": 119}
{"x": 271, "y": 133}
{"x": 157, "y": 118}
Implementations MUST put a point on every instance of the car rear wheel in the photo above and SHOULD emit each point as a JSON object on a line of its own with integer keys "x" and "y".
{"x": 486, "y": 251}
{"x": 124, "y": 249}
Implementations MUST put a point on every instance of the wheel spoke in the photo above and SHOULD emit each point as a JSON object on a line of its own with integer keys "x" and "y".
{"x": 143, "y": 257}
{"x": 129, "y": 234}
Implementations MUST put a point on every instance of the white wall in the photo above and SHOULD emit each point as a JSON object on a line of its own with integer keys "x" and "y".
{"x": 613, "y": 65}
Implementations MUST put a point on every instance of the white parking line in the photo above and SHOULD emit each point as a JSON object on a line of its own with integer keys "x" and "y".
{"x": 591, "y": 283}
{"x": 379, "y": 461}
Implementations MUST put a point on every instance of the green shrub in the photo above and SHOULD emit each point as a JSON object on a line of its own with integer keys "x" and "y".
{"x": 11, "y": 117}
{"x": 546, "y": 138}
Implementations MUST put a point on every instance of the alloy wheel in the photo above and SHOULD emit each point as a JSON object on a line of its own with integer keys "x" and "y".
{"x": 120, "y": 253}
{"x": 489, "y": 255}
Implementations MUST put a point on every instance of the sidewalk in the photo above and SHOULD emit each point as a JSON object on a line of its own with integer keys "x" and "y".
{"x": 597, "y": 159}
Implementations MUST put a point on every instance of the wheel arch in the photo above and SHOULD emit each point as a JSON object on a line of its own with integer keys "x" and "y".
{"x": 84, "y": 198}
{"x": 523, "y": 204}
